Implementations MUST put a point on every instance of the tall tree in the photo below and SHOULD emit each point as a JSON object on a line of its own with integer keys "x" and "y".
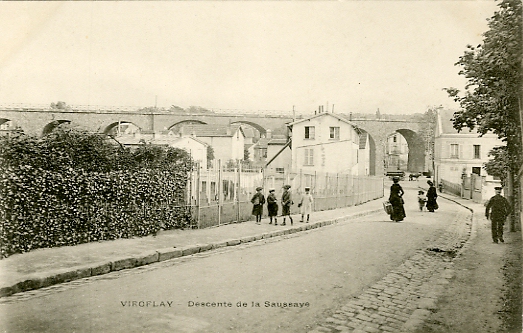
{"x": 490, "y": 101}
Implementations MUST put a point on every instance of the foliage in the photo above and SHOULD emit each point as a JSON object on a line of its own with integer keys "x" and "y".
{"x": 41, "y": 208}
{"x": 493, "y": 70}
{"x": 210, "y": 155}
{"x": 60, "y": 106}
{"x": 499, "y": 163}
{"x": 428, "y": 127}
{"x": 72, "y": 187}
{"x": 246, "y": 154}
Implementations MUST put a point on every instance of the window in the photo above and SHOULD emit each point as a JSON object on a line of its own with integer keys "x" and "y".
{"x": 476, "y": 170}
{"x": 280, "y": 170}
{"x": 454, "y": 151}
{"x": 309, "y": 157}
{"x": 263, "y": 152}
{"x": 394, "y": 139}
{"x": 477, "y": 151}
{"x": 309, "y": 132}
{"x": 334, "y": 133}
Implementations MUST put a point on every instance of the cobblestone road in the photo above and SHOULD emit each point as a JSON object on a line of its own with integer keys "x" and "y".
{"x": 404, "y": 298}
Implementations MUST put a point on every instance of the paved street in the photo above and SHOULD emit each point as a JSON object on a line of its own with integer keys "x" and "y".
{"x": 364, "y": 273}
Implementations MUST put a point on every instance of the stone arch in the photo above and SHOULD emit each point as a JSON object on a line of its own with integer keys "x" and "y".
{"x": 417, "y": 147}
{"x": 260, "y": 128}
{"x": 109, "y": 128}
{"x": 53, "y": 125}
{"x": 184, "y": 122}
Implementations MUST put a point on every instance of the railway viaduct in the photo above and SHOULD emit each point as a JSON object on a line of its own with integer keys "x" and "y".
{"x": 39, "y": 122}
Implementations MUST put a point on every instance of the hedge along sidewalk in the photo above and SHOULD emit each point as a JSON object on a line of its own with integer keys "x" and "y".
{"x": 45, "y": 267}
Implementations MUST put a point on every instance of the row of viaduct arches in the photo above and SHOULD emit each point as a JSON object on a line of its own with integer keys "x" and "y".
{"x": 44, "y": 122}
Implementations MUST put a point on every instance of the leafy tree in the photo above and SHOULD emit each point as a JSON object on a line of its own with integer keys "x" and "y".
{"x": 210, "y": 156}
{"x": 246, "y": 154}
{"x": 428, "y": 120}
{"x": 60, "y": 106}
{"x": 490, "y": 101}
{"x": 493, "y": 70}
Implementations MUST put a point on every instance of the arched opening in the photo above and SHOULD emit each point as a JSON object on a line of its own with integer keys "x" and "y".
{"x": 405, "y": 151}
{"x": 175, "y": 128}
{"x": 54, "y": 125}
{"x": 261, "y": 130}
{"x": 8, "y": 127}
{"x": 122, "y": 128}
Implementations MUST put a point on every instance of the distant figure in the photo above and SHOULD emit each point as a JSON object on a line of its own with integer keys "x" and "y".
{"x": 432, "y": 204}
{"x": 421, "y": 200}
{"x": 286, "y": 203}
{"x": 257, "y": 204}
{"x": 306, "y": 204}
{"x": 440, "y": 187}
{"x": 272, "y": 206}
{"x": 396, "y": 200}
{"x": 498, "y": 208}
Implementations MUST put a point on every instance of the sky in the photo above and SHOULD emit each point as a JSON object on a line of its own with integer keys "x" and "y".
{"x": 353, "y": 56}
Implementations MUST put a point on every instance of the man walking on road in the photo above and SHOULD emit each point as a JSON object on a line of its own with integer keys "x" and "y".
{"x": 498, "y": 209}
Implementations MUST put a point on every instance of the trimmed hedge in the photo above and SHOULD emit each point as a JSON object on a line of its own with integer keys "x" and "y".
{"x": 41, "y": 208}
{"x": 73, "y": 187}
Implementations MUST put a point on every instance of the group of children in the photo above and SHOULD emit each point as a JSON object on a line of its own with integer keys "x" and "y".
{"x": 258, "y": 200}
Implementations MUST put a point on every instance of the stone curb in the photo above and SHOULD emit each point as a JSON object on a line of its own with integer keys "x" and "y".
{"x": 37, "y": 281}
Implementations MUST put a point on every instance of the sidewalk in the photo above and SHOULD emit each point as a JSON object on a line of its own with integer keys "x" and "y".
{"x": 486, "y": 284}
{"x": 45, "y": 267}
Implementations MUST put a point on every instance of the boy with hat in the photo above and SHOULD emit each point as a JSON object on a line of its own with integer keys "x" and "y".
{"x": 286, "y": 203}
{"x": 498, "y": 208}
{"x": 272, "y": 206}
{"x": 257, "y": 204}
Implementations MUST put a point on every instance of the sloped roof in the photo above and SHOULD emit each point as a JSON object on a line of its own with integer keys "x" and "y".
{"x": 445, "y": 123}
{"x": 262, "y": 143}
{"x": 323, "y": 114}
{"x": 277, "y": 141}
{"x": 211, "y": 130}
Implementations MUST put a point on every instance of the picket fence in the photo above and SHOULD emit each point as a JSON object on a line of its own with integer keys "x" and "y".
{"x": 222, "y": 195}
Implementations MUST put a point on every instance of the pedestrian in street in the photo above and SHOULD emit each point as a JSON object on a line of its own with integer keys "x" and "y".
{"x": 421, "y": 200}
{"x": 498, "y": 208}
{"x": 258, "y": 199}
{"x": 306, "y": 204}
{"x": 272, "y": 206}
{"x": 432, "y": 195}
{"x": 286, "y": 203}
{"x": 396, "y": 200}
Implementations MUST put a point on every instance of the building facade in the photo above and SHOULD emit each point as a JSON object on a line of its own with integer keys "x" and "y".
{"x": 457, "y": 155}
{"x": 325, "y": 142}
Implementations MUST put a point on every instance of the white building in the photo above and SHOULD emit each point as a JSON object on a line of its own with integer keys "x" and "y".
{"x": 227, "y": 141}
{"x": 463, "y": 153}
{"x": 325, "y": 142}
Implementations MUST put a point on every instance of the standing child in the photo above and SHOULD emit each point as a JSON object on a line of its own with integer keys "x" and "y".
{"x": 306, "y": 204}
{"x": 286, "y": 203}
{"x": 272, "y": 206}
{"x": 421, "y": 200}
{"x": 257, "y": 204}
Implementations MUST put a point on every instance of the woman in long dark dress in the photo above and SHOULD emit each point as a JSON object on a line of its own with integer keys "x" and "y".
{"x": 396, "y": 200}
{"x": 432, "y": 194}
